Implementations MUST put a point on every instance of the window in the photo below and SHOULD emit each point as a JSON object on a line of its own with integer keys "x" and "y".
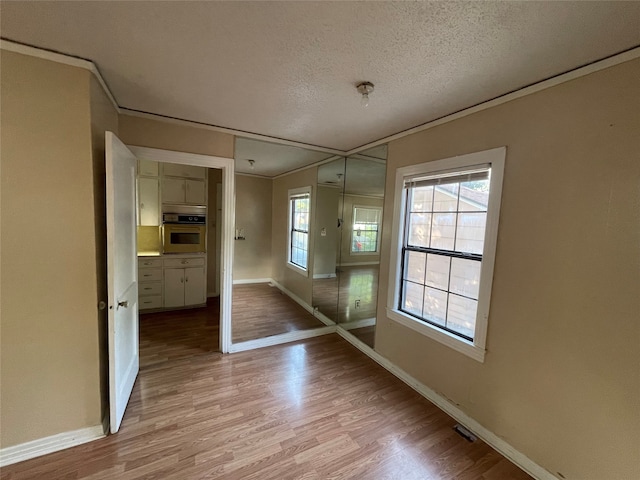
{"x": 446, "y": 236}
{"x": 299, "y": 214}
{"x": 366, "y": 225}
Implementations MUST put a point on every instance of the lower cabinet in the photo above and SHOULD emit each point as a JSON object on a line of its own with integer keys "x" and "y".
{"x": 184, "y": 286}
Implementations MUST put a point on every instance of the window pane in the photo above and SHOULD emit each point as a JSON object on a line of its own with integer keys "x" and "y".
{"x": 474, "y": 195}
{"x": 461, "y": 316}
{"x": 419, "y": 225}
{"x": 470, "y": 234}
{"x": 465, "y": 277}
{"x": 445, "y": 198}
{"x": 435, "y": 306}
{"x": 414, "y": 267}
{"x": 438, "y": 271}
{"x": 443, "y": 230}
{"x": 422, "y": 200}
{"x": 412, "y": 301}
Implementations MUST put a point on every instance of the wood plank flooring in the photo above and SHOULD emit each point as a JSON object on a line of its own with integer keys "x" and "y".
{"x": 365, "y": 334}
{"x": 261, "y": 311}
{"x": 315, "y": 409}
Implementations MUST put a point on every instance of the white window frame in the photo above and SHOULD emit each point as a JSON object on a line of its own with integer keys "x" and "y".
{"x": 496, "y": 159}
{"x": 379, "y": 231}
{"x": 296, "y": 192}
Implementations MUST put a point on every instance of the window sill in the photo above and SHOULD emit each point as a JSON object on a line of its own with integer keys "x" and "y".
{"x": 460, "y": 345}
{"x": 298, "y": 269}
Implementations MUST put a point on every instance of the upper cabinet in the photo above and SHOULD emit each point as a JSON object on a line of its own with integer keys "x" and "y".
{"x": 184, "y": 171}
{"x": 148, "y": 193}
{"x": 184, "y": 191}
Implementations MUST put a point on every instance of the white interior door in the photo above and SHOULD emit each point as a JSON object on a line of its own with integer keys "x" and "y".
{"x": 122, "y": 276}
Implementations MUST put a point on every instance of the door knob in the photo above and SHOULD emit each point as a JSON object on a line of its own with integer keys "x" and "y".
{"x": 124, "y": 304}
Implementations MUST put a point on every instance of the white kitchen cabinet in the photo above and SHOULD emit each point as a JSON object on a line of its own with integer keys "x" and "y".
{"x": 185, "y": 171}
{"x": 148, "y": 168}
{"x": 183, "y": 191}
{"x": 184, "y": 282}
{"x": 148, "y": 201}
{"x": 149, "y": 283}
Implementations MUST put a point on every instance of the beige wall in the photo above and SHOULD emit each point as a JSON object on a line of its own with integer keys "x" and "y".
{"x": 144, "y": 132}
{"x": 325, "y": 250}
{"x": 346, "y": 205}
{"x": 104, "y": 117}
{"x": 252, "y": 256}
{"x": 290, "y": 279}
{"x": 49, "y": 332}
{"x": 560, "y": 381}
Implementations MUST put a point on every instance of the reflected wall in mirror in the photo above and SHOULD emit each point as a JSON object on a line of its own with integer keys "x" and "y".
{"x": 269, "y": 296}
{"x": 350, "y": 298}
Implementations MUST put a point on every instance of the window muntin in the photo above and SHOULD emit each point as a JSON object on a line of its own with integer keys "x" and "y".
{"x": 444, "y": 230}
{"x": 299, "y": 213}
{"x": 365, "y": 229}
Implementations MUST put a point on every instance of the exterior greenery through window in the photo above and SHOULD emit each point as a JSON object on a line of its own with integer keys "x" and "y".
{"x": 299, "y": 209}
{"x": 366, "y": 226}
{"x": 444, "y": 233}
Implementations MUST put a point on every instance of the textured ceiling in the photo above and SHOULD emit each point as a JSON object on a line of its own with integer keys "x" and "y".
{"x": 289, "y": 69}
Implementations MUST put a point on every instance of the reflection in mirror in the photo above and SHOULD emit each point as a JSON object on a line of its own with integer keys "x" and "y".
{"x": 350, "y": 297}
{"x": 269, "y": 297}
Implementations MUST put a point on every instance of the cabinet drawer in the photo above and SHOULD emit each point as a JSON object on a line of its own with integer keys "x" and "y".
{"x": 184, "y": 262}
{"x": 147, "y": 262}
{"x": 150, "y": 302}
{"x": 154, "y": 288}
{"x": 149, "y": 274}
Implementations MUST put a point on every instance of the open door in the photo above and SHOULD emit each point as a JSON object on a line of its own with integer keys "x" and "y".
{"x": 122, "y": 276}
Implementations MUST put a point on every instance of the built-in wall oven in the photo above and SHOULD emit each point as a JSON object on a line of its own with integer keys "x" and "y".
{"x": 184, "y": 233}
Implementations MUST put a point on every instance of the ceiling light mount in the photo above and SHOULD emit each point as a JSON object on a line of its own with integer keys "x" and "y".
{"x": 365, "y": 88}
{"x": 251, "y": 163}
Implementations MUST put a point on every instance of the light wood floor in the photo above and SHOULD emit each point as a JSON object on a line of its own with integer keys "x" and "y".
{"x": 316, "y": 409}
{"x": 261, "y": 311}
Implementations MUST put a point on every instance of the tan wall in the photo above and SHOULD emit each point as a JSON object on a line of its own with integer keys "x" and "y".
{"x": 347, "y": 204}
{"x": 560, "y": 381}
{"x": 104, "y": 117}
{"x": 252, "y": 256}
{"x": 325, "y": 252}
{"x": 49, "y": 333}
{"x": 144, "y": 132}
{"x": 290, "y": 279}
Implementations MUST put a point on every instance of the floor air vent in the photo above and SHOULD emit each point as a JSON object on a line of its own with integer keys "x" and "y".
{"x": 466, "y": 434}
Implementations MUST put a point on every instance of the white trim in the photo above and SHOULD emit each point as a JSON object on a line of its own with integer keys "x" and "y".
{"x": 46, "y": 445}
{"x": 322, "y": 317}
{"x": 293, "y": 296}
{"x": 596, "y": 66}
{"x": 280, "y": 339}
{"x": 496, "y": 158}
{"x": 364, "y": 322}
{"x": 358, "y": 264}
{"x": 227, "y": 166}
{"x": 500, "y": 445}
{"x": 248, "y": 281}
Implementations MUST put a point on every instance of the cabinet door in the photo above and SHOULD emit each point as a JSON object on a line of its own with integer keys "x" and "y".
{"x": 147, "y": 168}
{"x": 173, "y": 190}
{"x": 173, "y": 287}
{"x": 194, "y": 286}
{"x": 185, "y": 171}
{"x": 196, "y": 192}
{"x": 148, "y": 211}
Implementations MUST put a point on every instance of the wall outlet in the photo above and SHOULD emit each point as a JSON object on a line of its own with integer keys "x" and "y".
{"x": 357, "y": 303}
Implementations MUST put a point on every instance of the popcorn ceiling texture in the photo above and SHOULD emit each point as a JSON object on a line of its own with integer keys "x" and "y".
{"x": 289, "y": 69}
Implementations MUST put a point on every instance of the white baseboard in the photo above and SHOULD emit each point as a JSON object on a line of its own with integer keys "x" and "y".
{"x": 365, "y": 322}
{"x": 279, "y": 339}
{"x": 324, "y": 275}
{"x": 246, "y": 281}
{"x": 293, "y": 296}
{"x": 54, "y": 443}
{"x": 524, "y": 462}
